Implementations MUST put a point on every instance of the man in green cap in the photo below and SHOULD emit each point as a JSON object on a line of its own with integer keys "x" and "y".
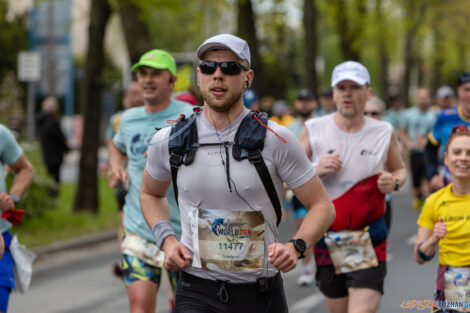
{"x": 141, "y": 259}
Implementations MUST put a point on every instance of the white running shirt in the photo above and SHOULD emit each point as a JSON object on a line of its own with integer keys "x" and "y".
{"x": 362, "y": 154}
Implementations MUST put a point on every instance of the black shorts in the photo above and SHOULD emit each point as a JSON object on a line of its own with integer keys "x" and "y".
{"x": 336, "y": 285}
{"x": 418, "y": 167}
{"x": 197, "y": 295}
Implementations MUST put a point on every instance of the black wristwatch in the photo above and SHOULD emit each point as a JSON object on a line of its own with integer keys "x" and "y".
{"x": 397, "y": 183}
{"x": 300, "y": 246}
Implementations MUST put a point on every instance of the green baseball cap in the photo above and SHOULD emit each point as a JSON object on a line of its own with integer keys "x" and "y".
{"x": 156, "y": 58}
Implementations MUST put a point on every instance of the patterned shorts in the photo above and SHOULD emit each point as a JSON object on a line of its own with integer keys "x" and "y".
{"x": 135, "y": 269}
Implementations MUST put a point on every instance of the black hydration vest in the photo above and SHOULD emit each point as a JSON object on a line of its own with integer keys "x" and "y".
{"x": 248, "y": 144}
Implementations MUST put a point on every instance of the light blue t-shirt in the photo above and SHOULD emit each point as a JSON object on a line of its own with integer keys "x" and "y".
{"x": 394, "y": 117}
{"x": 134, "y": 127}
{"x": 417, "y": 122}
{"x": 295, "y": 127}
{"x": 10, "y": 152}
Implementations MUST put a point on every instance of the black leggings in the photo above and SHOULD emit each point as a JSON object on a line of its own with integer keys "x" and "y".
{"x": 198, "y": 295}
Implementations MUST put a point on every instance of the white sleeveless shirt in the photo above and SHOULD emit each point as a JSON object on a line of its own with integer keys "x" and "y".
{"x": 362, "y": 154}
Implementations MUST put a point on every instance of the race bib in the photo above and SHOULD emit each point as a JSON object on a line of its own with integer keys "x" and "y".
{"x": 145, "y": 250}
{"x": 457, "y": 286}
{"x": 228, "y": 240}
{"x": 351, "y": 250}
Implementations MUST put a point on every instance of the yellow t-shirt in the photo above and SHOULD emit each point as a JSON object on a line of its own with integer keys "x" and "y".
{"x": 454, "y": 248}
{"x": 285, "y": 120}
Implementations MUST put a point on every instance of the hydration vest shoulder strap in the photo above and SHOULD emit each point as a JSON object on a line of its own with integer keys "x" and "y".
{"x": 249, "y": 142}
{"x": 182, "y": 149}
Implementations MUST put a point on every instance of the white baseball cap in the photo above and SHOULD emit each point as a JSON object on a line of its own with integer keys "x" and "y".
{"x": 350, "y": 70}
{"x": 444, "y": 91}
{"x": 224, "y": 42}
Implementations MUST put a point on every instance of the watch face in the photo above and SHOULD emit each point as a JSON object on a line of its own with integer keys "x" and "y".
{"x": 300, "y": 245}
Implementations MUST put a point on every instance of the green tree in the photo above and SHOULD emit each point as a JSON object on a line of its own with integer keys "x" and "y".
{"x": 86, "y": 198}
{"x": 13, "y": 38}
{"x": 247, "y": 30}
{"x": 136, "y": 31}
{"x": 310, "y": 44}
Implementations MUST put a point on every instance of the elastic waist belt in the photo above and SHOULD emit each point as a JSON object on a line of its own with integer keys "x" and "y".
{"x": 377, "y": 231}
{"x": 224, "y": 287}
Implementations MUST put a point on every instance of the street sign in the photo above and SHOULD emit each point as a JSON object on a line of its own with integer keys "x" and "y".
{"x": 29, "y": 66}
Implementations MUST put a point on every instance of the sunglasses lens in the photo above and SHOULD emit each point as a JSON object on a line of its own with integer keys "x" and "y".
{"x": 208, "y": 67}
{"x": 230, "y": 68}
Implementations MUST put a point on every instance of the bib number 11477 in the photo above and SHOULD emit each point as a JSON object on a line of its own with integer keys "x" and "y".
{"x": 230, "y": 246}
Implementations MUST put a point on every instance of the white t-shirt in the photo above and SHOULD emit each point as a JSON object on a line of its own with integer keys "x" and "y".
{"x": 203, "y": 184}
{"x": 362, "y": 154}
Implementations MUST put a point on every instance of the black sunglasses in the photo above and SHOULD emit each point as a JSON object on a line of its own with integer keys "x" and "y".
{"x": 228, "y": 68}
{"x": 373, "y": 113}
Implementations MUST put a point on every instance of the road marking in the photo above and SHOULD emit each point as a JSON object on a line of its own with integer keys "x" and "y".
{"x": 411, "y": 240}
{"x": 307, "y": 303}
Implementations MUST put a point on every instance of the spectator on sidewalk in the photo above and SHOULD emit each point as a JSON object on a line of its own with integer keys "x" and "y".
{"x": 53, "y": 141}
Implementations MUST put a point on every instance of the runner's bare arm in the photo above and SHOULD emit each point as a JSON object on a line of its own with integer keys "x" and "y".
{"x": 305, "y": 142}
{"x": 395, "y": 168}
{"x": 155, "y": 209}
{"x": 429, "y": 239}
{"x": 404, "y": 137}
{"x": 23, "y": 175}
{"x": 320, "y": 216}
{"x": 153, "y": 199}
{"x": 116, "y": 172}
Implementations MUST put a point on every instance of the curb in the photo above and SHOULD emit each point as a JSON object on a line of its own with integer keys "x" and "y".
{"x": 76, "y": 243}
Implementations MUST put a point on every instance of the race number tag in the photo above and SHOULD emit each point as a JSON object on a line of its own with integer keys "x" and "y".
{"x": 145, "y": 250}
{"x": 457, "y": 286}
{"x": 229, "y": 240}
{"x": 350, "y": 250}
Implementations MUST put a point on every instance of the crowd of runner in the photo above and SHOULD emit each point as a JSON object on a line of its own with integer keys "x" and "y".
{"x": 203, "y": 189}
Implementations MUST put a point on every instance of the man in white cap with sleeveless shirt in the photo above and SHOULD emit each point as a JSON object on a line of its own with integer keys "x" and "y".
{"x": 358, "y": 161}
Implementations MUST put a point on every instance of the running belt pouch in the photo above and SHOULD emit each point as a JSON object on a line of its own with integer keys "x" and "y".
{"x": 457, "y": 286}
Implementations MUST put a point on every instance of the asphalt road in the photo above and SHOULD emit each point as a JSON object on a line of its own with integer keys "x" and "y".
{"x": 80, "y": 280}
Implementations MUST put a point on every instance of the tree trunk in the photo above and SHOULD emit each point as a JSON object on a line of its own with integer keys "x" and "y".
{"x": 382, "y": 50}
{"x": 415, "y": 13}
{"x": 408, "y": 64}
{"x": 349, "y": 32}
{"x": 310, "y": 45}
{"x": 135, "y": 30}
{"x": 438, "y": 60}
{"x": 247, "y": 31}
{"x": 86, "y": 198}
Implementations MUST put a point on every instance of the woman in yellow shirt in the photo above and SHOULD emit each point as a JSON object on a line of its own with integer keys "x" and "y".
{"x": 445, "y": 221}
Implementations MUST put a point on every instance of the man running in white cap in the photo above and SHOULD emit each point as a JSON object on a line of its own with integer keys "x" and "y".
{"x": 358, "y": 161}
